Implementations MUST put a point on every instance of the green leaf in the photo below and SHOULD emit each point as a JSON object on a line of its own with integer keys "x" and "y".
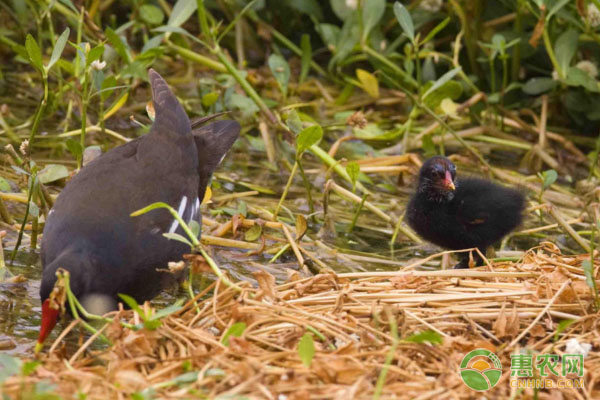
{"x": 178, "y": 237}
{"x": 74, "y": 146}
{"x": 151, "y": 207}
{"x": 19, "y": 170}
{"x": 341, "y": 9}
{"x": 435, "y": 30}
{"x": 368, "y": 82}
{"x": 353, "y": 170}
{"x": 194, "y": 227}
{"x": 306, "y": 56}
{"x": 281, "y": 72}
{"x": 428, "y": 146}
{"x": 151, "y": 14}
{"x": 537, "y": 86}
{"x": 59, "y": 46}
{"x": 565, "y": 48}
{"x": 173, "y": 29}
{"x": 578, "y": 77}
{"x": 371, "y": 14}
{"x": 133, "y": 304}
{"x": 108, "y": 87}
{"x": 235, "y": 330}
{"x": 187, "y": 377}
{"x": 243, "y": 208}
{"x": 4, "y": 185}
{"x": 308, "y": 137}
{"x": 243, "y": 103}
{"x": 449, "y": 107}
{"x": 9, "y": 366}
{"x": 548, "y": 178}
{"x": 182, "y": 10}
{"x": 557, "y": 6}
{"x": 70, "y": 4}
{"x": 152, "y": 324}
{"x": 118, "y": 45}
{"x": 136, "y": 69}
{"x": 209, "y": 99}
{"x": 348, "y": 37}
{"x": 94, "y": 54}
{"x": 405, "y": 20}
{"x": 294, "y": 122}
{"x": 373, "y": 132}
{"x": 449, "y": 90}
{"x": 34, "y": 52}
{"x": 562, "y": 325}
{"x": 310, "y": 7}
{"x": 442, "y": 80}
{"x": 306, "y": 349}
{"x": 253, "y": 233}
{"x": 151, "y": 48}
{"x": 168, "y": 310}
{"x": 19, "y": 50}
{"x": 52, "y": 173}
{"x": 427, "y": 336}
{"x": 588, "y": 271}
{"x": 329, "y": 34}
{"x": 29, "y": 367}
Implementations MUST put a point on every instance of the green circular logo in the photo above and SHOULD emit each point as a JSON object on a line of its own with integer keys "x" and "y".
{"x": 480, "y": 370}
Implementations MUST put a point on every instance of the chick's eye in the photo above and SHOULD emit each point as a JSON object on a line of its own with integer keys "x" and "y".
{"x": 438, "y": 172}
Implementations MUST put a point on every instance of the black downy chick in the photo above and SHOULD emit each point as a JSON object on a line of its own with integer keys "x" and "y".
{"x": 464, "y": 213}
{"x": 89, "y": 231}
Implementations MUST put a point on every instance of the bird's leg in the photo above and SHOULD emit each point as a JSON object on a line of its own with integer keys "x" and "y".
{"x": 464, "y": 262}
{"x": 445, "y": 262}
{"x": 467, "y": 258}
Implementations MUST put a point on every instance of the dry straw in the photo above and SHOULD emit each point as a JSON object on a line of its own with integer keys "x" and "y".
{"x": 511, "y": 307}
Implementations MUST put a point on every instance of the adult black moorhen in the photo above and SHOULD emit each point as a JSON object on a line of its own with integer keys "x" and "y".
{"x": 89, "y": 231}
{"x": 464, "y": 213}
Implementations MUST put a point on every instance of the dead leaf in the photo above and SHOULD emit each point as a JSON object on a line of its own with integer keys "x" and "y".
{"x": 368, "y": 82}
{"x": 539, "y": 28}
{"x": 334, "y": 369}
{"x": 512, "y": 328}
{"x": 499, "y": 326}
{"x": 266, "y": 282}
{"x": 236, "y": 221}
{"x": 537, "y": 331}
{"x": 130, "y": 380}
{"x": 301, "y": 227}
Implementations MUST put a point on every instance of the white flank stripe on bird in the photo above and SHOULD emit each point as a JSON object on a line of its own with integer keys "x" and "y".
{"x": 195, "y": 209}
{"x": 180, "y": 211}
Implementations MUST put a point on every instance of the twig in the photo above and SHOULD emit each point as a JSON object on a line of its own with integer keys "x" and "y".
{"x": 293, "y": 245}
{"x": 553, "y": 211}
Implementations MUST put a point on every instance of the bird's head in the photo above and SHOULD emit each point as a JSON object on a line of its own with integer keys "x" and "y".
{"x": 437, "y": 179}
{"x": 53, "y": 292}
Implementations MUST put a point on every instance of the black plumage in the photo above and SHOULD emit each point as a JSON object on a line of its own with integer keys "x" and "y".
{"x": 461, "y": 213}
{"x": 89, "y": 231}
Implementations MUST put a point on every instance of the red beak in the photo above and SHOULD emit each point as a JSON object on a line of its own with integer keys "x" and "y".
{"x": 448, "y": 181}
{"x": 49, "y": 318}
